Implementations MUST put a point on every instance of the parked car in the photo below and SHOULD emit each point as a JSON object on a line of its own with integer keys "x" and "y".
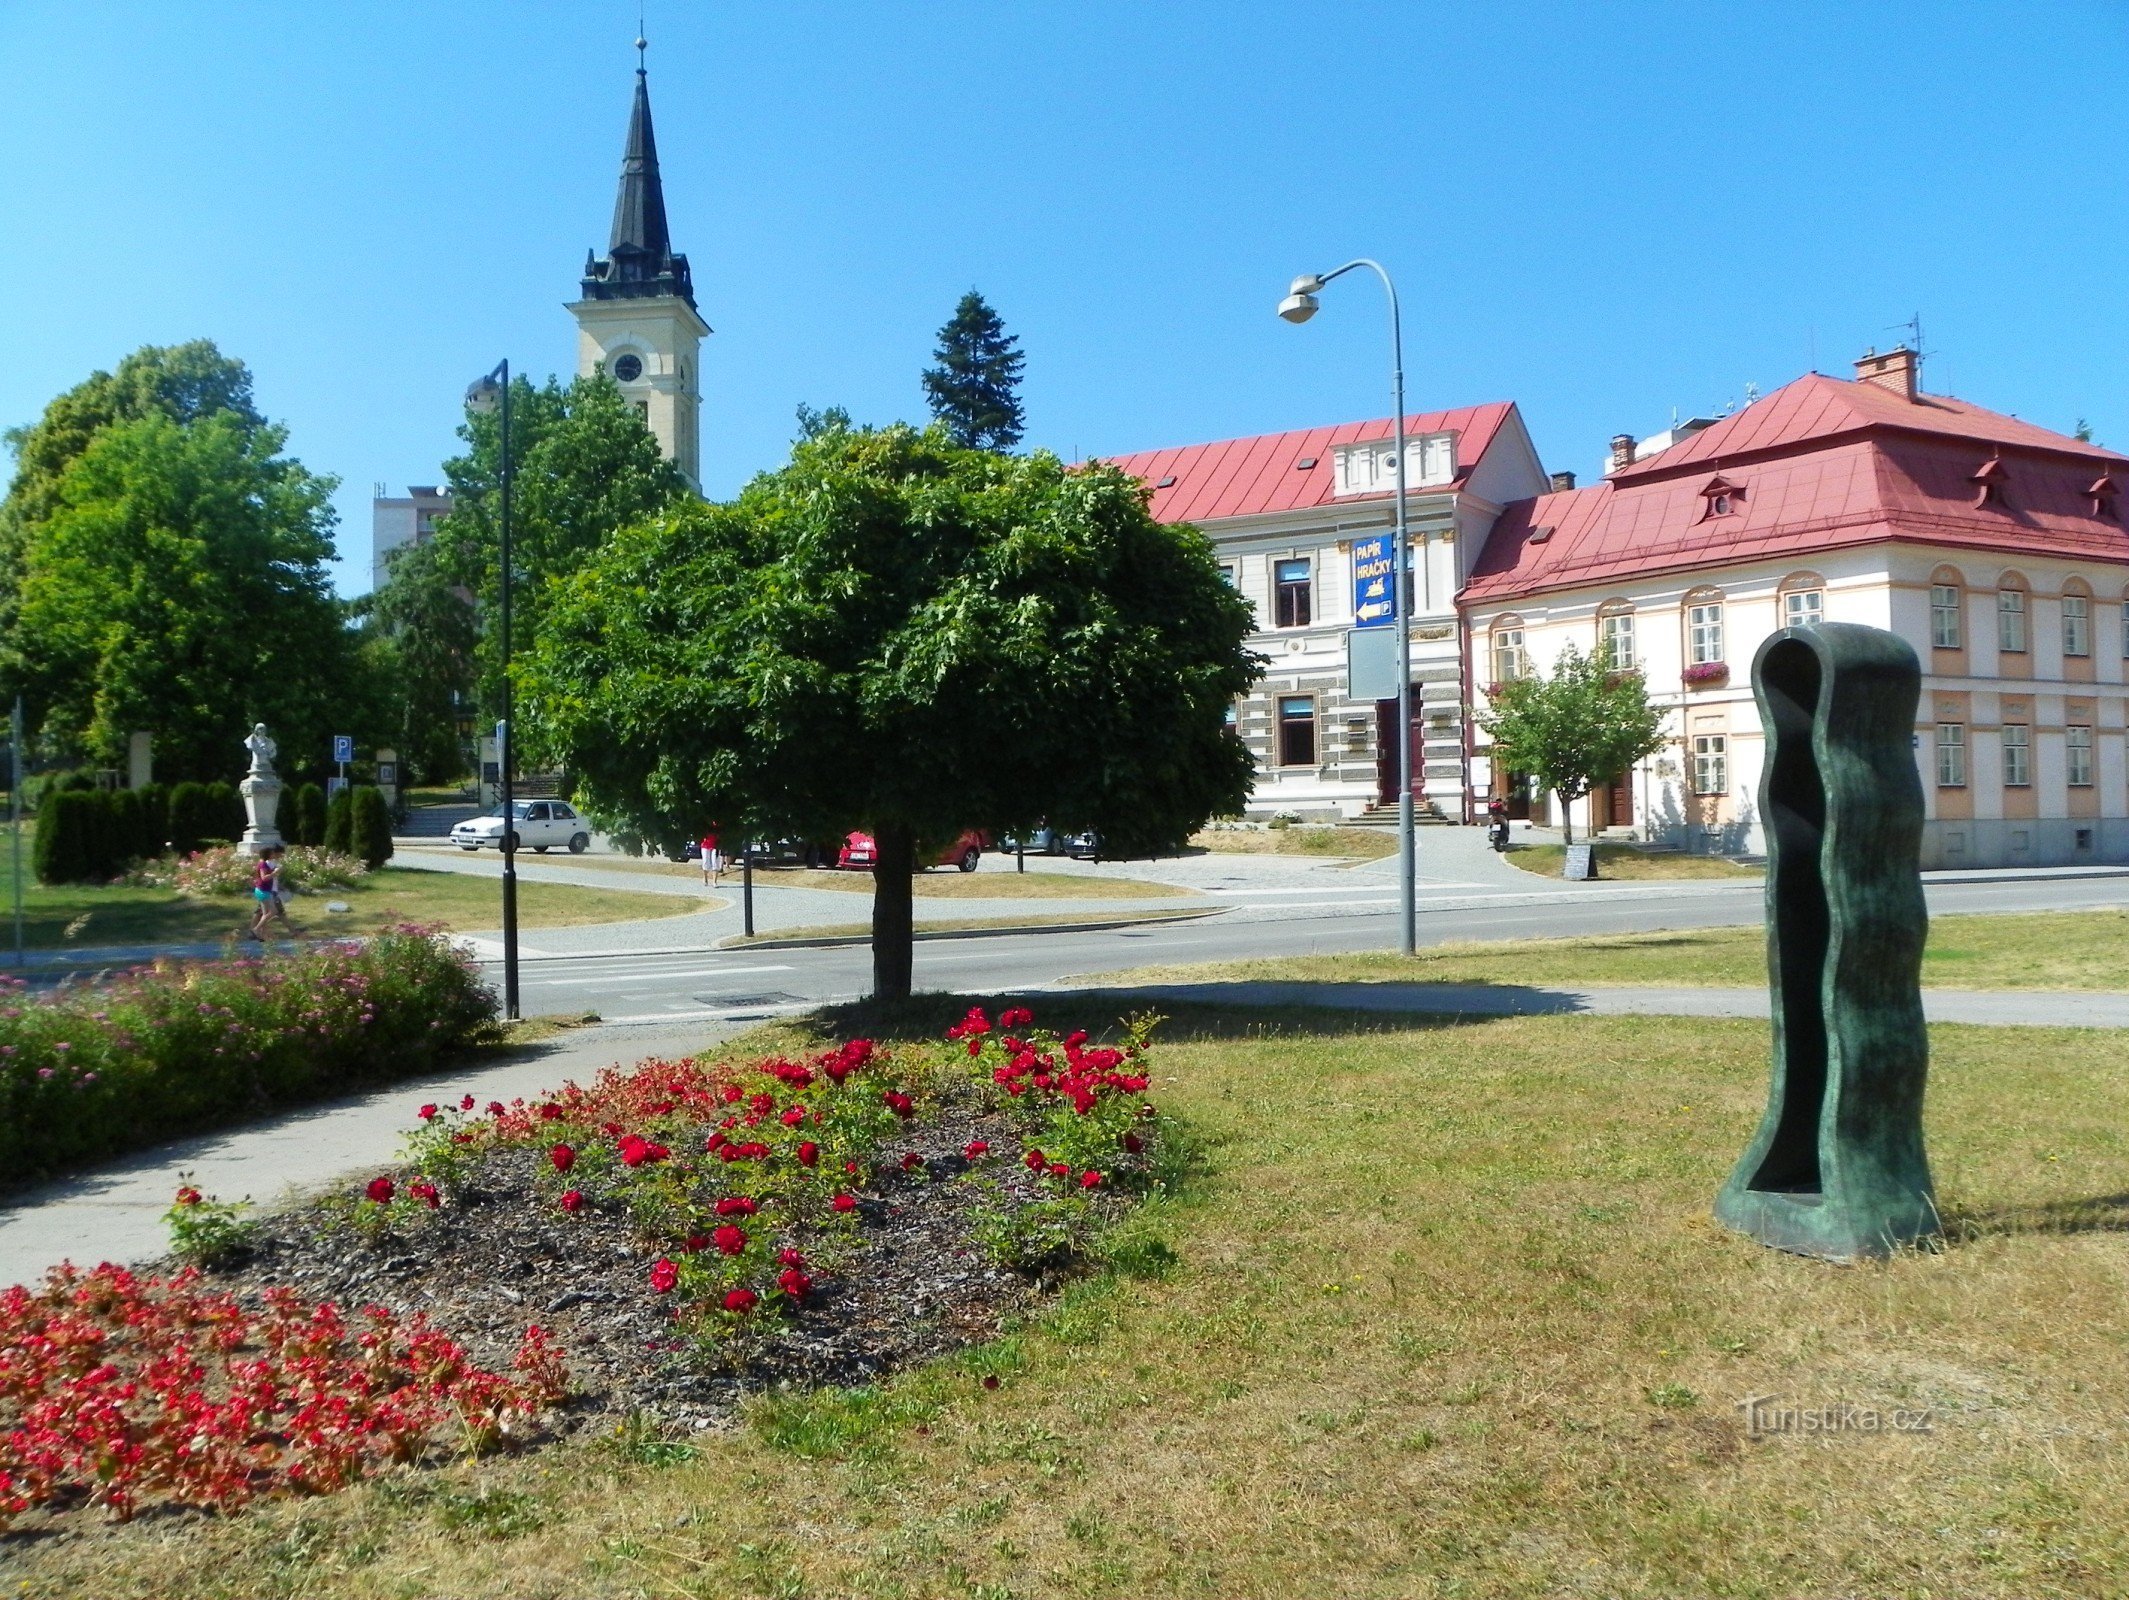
{"x": 792, "y": 853}
{"x": 1083, "y": 846}
{"x": 860, "y": 854}
{"x": 541, "y": 825}
{"x": 1042, "y": 841}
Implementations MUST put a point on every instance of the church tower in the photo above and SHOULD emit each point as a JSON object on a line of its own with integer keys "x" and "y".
{"x": 637, "y": 316}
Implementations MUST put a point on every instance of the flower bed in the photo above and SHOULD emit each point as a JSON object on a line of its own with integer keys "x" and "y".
{"x": 221, "y": 870}
{"x": 95, "y": 1069}
{"x": 679, "y": 1233}
{"x": 117, "y": 1391}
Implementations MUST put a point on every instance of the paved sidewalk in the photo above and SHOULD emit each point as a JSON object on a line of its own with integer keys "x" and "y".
{"x": 2003, "y": 1008}
{"x": 115, "y": 1213}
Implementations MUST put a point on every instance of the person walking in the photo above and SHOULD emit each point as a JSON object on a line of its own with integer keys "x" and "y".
{"x": 266, "y": 893}
{"x": 712, "y": 861}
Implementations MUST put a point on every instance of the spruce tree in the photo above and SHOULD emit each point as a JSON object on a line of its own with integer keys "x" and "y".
{"x": 975, "y": 388}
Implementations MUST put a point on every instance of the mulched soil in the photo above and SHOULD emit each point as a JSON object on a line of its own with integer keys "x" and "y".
{"x": 911, "y": 1286}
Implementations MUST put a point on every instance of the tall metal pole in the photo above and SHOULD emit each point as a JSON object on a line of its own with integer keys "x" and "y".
{"x": 746, "y": 887}
{"x": 504, "y": 753}
{"x": 14, "y": 792}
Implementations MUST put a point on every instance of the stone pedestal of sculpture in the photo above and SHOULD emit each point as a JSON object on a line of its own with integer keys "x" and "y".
{"x": 1837, "y": 1168}
{"x": 262, "y": 795}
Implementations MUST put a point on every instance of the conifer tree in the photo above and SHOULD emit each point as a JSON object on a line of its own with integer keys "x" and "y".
{"x": 975, "y": 388}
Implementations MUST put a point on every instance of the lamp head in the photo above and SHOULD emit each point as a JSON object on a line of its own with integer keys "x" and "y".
{"x": 484, "y": 394}
{"x": 1300, "y": 302}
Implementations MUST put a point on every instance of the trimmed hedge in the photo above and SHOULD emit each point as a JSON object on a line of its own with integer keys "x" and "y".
{"x": 191, "y": 818}
{"x": 154, "y": 836}
{"x": 306, "y": 816}
{"x": 370, "y": 827}
{"x": 67, "y": 827}
{"x": 339, "y": 823}
{"x": 225, "y": 813}
{"x": 91, "y": 1071}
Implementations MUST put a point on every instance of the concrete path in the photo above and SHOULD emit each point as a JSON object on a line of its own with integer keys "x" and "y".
{"x": 115, "y": 1213}
{"x": 1988, "y": 1008}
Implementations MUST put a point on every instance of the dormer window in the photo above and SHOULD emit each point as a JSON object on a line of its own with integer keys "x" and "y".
{"x": 1721, "y": 498}
{"x": 2101, "y": 493}
{"x": 1430, "y": 461}
{"x": 1989, "y": 479}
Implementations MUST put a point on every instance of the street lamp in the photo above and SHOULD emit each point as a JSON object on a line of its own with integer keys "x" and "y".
{"x": 483, "y": 395}
{"x": 1299, "y": 305}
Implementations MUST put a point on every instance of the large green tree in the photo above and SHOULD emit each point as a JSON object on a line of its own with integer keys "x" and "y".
{"x": 1583, "y": 725}
{"x": 896, "y": 635}
{"x": 166, "y": 570}
{"x": 583, "y": 465}
{"x": 975, "y": 388}
{"x": 420, "y": 637}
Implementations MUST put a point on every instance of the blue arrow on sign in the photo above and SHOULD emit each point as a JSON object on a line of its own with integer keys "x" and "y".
{"x": 1374, "y": 566}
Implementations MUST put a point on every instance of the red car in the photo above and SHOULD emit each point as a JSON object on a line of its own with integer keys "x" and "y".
{"x": 860, "y": 854}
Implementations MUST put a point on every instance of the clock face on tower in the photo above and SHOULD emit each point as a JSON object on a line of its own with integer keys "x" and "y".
{"x": 628, "y": 368}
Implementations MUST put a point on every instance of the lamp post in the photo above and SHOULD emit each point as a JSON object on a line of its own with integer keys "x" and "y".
{"x": 1298, "y": 306}
{"x": 486, "y": 394}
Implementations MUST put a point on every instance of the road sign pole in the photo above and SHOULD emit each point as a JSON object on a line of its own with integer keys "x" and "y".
{"x": 14, "y": 790}
{"x": 746, "y": 886}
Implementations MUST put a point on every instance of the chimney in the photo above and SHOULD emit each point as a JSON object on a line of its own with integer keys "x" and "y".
{"x": 1896, "y": 370}
{"x": 1562, "y": 482}
{"x": 1622, "y": 452}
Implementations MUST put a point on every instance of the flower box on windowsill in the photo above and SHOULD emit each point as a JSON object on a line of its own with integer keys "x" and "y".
{"x": 1707, "y": 674}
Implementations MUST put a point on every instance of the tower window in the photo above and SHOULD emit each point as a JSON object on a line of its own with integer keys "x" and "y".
{"x": 628, "y": 368}
{"x": 643, "y": 412}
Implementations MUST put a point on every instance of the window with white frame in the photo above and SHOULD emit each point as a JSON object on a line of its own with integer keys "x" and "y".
{"x": 1703, "y": 627}
{"x": 1803, "y": 608}
{"x": 1615, "y": 640}
{"x": 1297, "y": 730}
{"x": 1951, "y": 755}
{"x": 2017, "y": 755}
{"x": 2077, "y": 743}
{"x": 2011, "y": 620}
{"x": 1711, "y": 763}
{"x": 1508, "y": 660}
{"x": 2076, "y": 624}
{"x": 1290, "y": 593}
{"x": 1946, "y": 629}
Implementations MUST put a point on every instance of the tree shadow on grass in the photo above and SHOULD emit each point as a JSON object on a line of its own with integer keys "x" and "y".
{"x": 2107, "y": 1213}
{"x": 1102, "y": 1012}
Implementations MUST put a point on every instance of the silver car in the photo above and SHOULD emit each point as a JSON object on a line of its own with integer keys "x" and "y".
{"x": 541, "y": 825}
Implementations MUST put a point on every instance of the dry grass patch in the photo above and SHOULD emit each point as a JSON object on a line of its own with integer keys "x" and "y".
{"x": 1444, "y": 1315}
{"x": 1301, "y": 839}
{"x": 1629, "y": 862}
{"x": 2067, "y": 950}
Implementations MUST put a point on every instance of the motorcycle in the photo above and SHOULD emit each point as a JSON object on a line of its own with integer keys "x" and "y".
{"x": 1497, "y": 831}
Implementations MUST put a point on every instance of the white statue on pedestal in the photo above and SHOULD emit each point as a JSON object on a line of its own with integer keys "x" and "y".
{"x": 262, "y": 794}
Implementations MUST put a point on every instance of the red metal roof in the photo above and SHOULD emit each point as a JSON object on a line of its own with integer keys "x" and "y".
{"x": 1248, "y": 477}
{"x": 1818, "y": 465}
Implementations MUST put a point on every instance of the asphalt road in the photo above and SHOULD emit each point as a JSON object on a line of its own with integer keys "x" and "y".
{"x": 702, "y": 985}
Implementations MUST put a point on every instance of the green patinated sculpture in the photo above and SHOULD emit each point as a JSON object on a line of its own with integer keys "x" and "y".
{"x": 1837, "y": 1168}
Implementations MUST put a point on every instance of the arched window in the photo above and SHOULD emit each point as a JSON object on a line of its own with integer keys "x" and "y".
{"x": 2076, "y": 617}
{"x": 1803, "y": 600}
{"x": 1509, "y": 661}
{"x": 1703, "y": 628}
{"x": 2011, "y": 613}
{"x": 1615, "y": 635}
{"x": 1947, "y": 609}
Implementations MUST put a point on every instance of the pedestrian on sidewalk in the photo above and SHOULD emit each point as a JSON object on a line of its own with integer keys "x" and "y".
{"x": 266, "y": 893}
{"x": 712, "y": 860}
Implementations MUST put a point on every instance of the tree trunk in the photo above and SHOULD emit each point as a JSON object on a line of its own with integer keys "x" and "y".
{"x": 893, "y": 933}
{"x": 1567, "y": 818}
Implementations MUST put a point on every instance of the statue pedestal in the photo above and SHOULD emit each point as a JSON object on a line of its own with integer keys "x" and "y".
{"x": 262, "y": 799}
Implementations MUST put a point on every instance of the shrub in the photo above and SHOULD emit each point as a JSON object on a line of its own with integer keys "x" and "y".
{"x": 66, "y": 823}
{"x": 191, "y": 818}
{"x": 306, "y": 815}
{"x": 225, "y": 813}
{"x": 224, "y": 870}
{"x": 339, "y": 817}
{"x": 154, "y": 836}
{"x": 122, "y": 830}
{"x": 96, "y": 1069}
{"x": 370, "y": 827}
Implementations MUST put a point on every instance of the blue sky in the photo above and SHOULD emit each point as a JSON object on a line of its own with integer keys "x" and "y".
{"x": 1600, "y": 211}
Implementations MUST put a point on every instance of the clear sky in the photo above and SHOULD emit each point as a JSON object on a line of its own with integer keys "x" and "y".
{"x": 1601, "y": 211}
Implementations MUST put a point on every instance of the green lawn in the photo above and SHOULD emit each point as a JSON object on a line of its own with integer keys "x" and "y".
{"x": 78, "y": 916}
{"x": 1629, "y": 861}
{"x": 1440, "y": 1313}
{"x": 2044, "y": 950}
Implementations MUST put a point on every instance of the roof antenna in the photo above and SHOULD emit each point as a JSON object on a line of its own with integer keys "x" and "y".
{"x": 1912, "y": 327}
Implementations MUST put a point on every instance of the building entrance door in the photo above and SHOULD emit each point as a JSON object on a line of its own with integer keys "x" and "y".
{"x": 1611, "y": 805}
{"x": 1386, "y": 752}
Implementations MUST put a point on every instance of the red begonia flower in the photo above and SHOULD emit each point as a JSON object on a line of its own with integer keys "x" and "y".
{"x": 845, "y": 1202}
{"x": 741, "y": 1300}
{"x": 731, "y": 1239}
{"x": 664, "y": 1275}
{"x": 563, "y": 1157}
{"x": 380, "y": 1190}
{"x": 573, "y": 1201}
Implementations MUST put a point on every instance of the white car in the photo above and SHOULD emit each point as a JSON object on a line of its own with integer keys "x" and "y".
{"x": 541, "y": 825}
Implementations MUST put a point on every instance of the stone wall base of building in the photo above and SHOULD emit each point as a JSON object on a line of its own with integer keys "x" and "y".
{"x": 2030, "y": 842}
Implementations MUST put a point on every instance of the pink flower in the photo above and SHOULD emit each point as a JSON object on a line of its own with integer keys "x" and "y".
{"x": 664, "y": 1275}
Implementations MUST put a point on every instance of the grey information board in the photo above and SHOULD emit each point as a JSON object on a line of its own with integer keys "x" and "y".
{"x": 1581, "y": 861}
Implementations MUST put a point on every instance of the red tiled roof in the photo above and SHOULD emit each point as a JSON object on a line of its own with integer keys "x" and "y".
{"x": 1246, "y": 477}
{"x": 1820, "y": 464}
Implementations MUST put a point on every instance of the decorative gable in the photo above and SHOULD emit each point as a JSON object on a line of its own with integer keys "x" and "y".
{"x": 1989, "y": 479}
{"x": 2101, "y": 492}
{"x": 1721, "y": 497}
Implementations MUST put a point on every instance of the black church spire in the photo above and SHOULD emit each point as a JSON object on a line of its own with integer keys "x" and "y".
{"x": 639, "y": 261}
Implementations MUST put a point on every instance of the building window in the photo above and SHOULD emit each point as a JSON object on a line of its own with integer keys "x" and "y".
{"x": 1227, "y": 572}
{"x": 643, "y": 412}
{"x": 2076, "y": 625}
{"x": 1508, "y": 662}
{"x": 1615, "y": 640}
{"x": 1290, "y": 594}
{"x": 2078, "y": 743}
{"x": 1944, "y": 624}
{"x": 2011, "y": 620}
{"x": 1297, "y": 731}
{"x": 1804, "y": 608}
{"x": 1711, "y": 763}
{"x": 1951, "y": 755}
{"x": 2017, "y": 755}
{"x": 1703, "y": 633}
